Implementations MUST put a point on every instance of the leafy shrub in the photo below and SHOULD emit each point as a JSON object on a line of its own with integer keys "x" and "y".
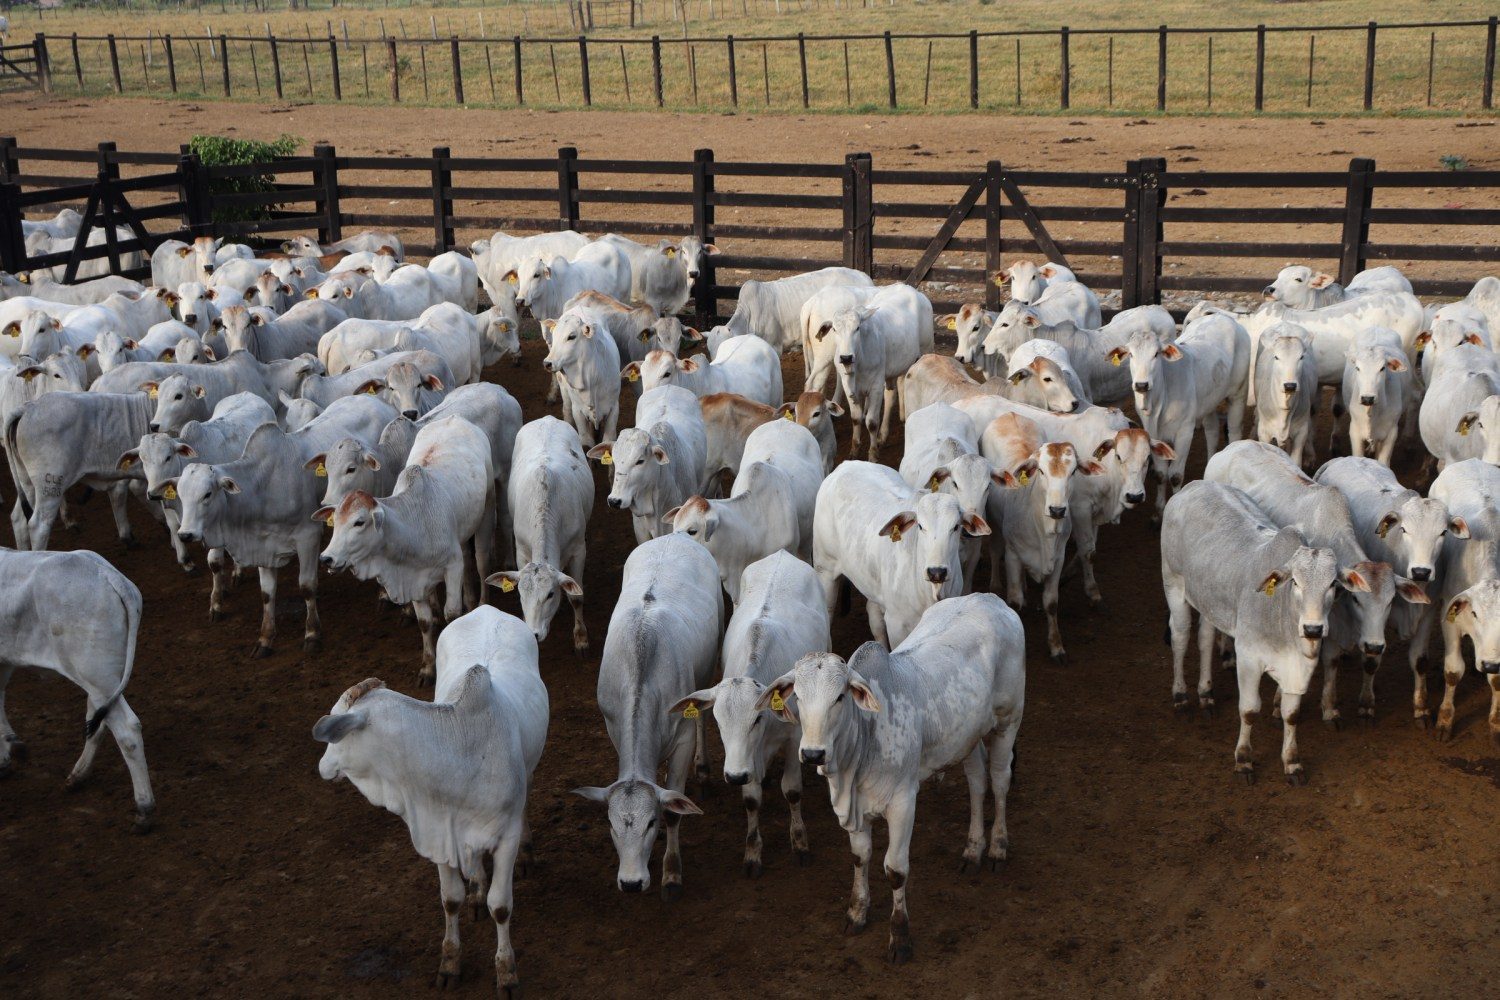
{"x": 1453, "y": 162}
{"x": 218, "y": 150}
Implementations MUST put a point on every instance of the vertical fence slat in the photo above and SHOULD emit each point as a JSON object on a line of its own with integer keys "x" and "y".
{"x": 992, "y": 257}
{"x": 1161, "y": 68}
{"x": 1260, "y": 67}
{"x": 114, "y": 64}
{"x": 333, "y": 63}
{"x": 655, "y": 66}
{"x": 520, "y": 93}
{"x": 1489, "y": 63}
{"x": 1152, "y": 197}
{"x": 706, "y": 303}
{"x": 331, "y": 228}
{"x": 567, "y": 188}
{"x": 973, "y": 69}
{"x": 224, "y": 61}
{"x": 734, "y": 86}
{"x": 890, "y": 69}
{"x": 78, "y": 66}
{"x": 276, "y": 65}
{"x": 802, "y": 63}
{"x": 1370, "y": 66}
{"x": 442, "y": 201}
{"x": 458, "y": 71}
{"x": 859, "y": 214}
{"x": 1130, "y": 243}
{"x": 390, "y": 57}
{"x": 12, "y": 240}
{"x": 583, "y": 68}
{"x": 1065, "y": 81}
{"x": 1357, "y": 200}
{"x": 43, "y": 62}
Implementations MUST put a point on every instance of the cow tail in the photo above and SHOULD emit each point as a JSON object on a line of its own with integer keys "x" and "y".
{"x": 23, "y": 481}
{"x": 132, "y": 627}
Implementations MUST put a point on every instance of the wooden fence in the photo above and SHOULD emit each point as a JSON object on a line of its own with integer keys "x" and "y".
{"x": 949, "y": 230}
{"x": 730, "y": 71}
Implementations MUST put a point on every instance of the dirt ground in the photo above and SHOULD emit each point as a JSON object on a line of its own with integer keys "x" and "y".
{"x": 1141, "y": 866}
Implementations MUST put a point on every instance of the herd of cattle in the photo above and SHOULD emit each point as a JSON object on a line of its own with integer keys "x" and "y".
{"x": 252, "y": 403}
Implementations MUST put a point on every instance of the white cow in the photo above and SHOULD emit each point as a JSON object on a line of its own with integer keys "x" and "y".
{"x": 544, "y": 286}
{"x": 500, "y": 254}
{"x": 815, "y": 412}
{"x": 584, "y": 360}
{"x": 942, "y": 454}
{"x": 760, "y": 517}
{"x": 1286, "y": 389}
{"x": 883, "y": 722}
{"x": 1470, "y": 591}
{"x": 1377, "y": 388}
{"x": 1042, "y": 374}
{"x": 772, "y": 310}
{"x": 458, "y": 769}
{"x": 1301, "y": 287}
{"x": 728, "y": 421}
{"x": 78, "y": 616}
{"x": 663, "y": 643}
{"x": 746, "y": 366}
{"x": 1088, "y": 349}
{"x": 874, "y": 346}
{"x": 658, "y": 463}
{"x": 780, "y": 619}
{"x": 1458, "y": 385}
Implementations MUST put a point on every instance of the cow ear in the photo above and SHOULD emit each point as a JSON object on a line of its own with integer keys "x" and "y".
{"x": 1270, "y": 583}
{"x": 1020, "y": 375}
{"x": 186, "y": 450}
{"x": 208, "y": 352}
{"x": 671, "y": 516}
{"x": 1047, "y": 270}
{"x": 433, "y": 382}
{"x": 170, "y": 354}
{"x": 948, "y": 321}
{"x": 84, "y": 350}
{"x": 1388, "y": 522}
{"x": 687, "y": 365}
{"x": 777, "y": 697}
{"x": 324, "y": 514}
{"x": 938, "y": 478}
{"x": 549, "y": 325}
{"x": 1353, "y": 581}
{"x": 1163, "y": 451}
{"x": 1320, "y": 280}
{"x": 861, "y": 693}
{"x": 256, "y": 319}
{"x": 1029, "y": 318}
{"x": 631, "y": 372}
{"x": 1021, "y": 475}
{"x": 184, "y": 251}
{"x": 591, "y": 792}
{"x": 129, "y": 344}
{"x": 697, "y": 701}
{"x": 1459, "y": 605}
{"x": 710, "y": 249}
{"x": 691, "y": 335}
{"x": 372, "y": 463}
{"x": 212, "y": 294}
{"x": 645, "y": 335}
{"x": 1105, "y": 447}
{"x": 333, "y": 728}
{"x": 1458, "y": 527}
{"x": 1171, "y": 352}
{"x": 1412, "y": 592}
{"x": 311, "y": 293}
{"x": 569, "y": 585}
{"x": 218, "y": 324}
{"x": 1395, "y": 364}
{"x": 787, "y": 411}
{"x": 129, "y": 458}
{"x": 504, "y": 582}
{"x": 660, "y": 454}
{"x": 823, "y": 331}
{"x": 1466, "y": 422}
{"x": 975, "y": 526}
{"x": 199, "y": 391}
{"x": 834, "y": 408}
{"x": 228, "y": 485}
{"x": 1118, "y": 355}
{"x": 315, "y": 463}
{"x": 369, "y": 387}
{"x": 676, "y": 802}
{"x": 896, "y": 525}
{"x": 602, "y": 453}
{"x": 1091, "y": 468}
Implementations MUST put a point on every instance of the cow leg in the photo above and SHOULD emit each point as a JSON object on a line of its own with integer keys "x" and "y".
{"x": 856, "y": 418}
{"x": 580, "y": 630}
{"x": 118, "y": 494}
{"x": 501, "y": 901}
{"x": 899, "y": 817}
{"x": 1049, "y": 606}
{"x": 179, "y": 547}
{"x": 426, "y": 610}
{"x": 475, "y": 890}
{"x": 858, "y": 913}
{"x": 874, "y": 421}
{"x": 267, "y": 612}
{"x": 1015, "y": 584}
{"x": 876, "y": 614}
{"x": 1330, "y": 660}
{"x": 307, "y": 586}
{"x": 1160, "y": 467}
{"x": 484, "y": 545}
{"x": 220, "y": 575}
{"x": 1453, "y": 672}
{"x": 974, "y": 773}
{"x": 1291, "y": 760}
{"x": 1002, "y": 756}
{"x": 791, "y": 788}
{"x": 752, "y": 796}
{"x": 1367, "y": 689}
{"x": 19, "y": 524}
{"x": 1206, "y": 636}
{"x": 1086, "y": 539}
{"x": 1249, "y": 678}
{"x": 9, "y": 742}
{"x": 85, "y": 762}
{"x": 1236, "y": 416}
{"x": 671, "y": 861}
{"x": 451, "y": 889}
{"x": 1416, "y": 652}
{"x": 1494, "y": 710}
{"x": 997, "y": 559}
{"x": 1210, "y": 424}
{"x": 126, "y": 729}
{"x": 1385, "y": 448}
{"x": 887, "y": 407}
{"x": 43, "y": 514}
{"x": 1179, "y": 622}
{"x": 700, "y": 752}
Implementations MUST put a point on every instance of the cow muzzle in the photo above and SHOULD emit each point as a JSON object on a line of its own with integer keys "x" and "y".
{"x": 1269, "y": 292}
{"x": 847, "y": 360}
{"x": 737, "y": 777}
{"x": 1421, "y": 574}
{"x": 327, "y": 562}
{"x": 1373, "y": 648}
{"x": 190, "y": 318}
{"x": 1312, "y": 631}
{"x": 634, "y": 885}
{"x": 410, "y": 414}
{"x": 188, "y": 537}
{"x": 615, "y": 503}
{"x": 1142, "y": 386}
{"x": 816, "y": 756}
{"x": 209, "y": 268}
{"x": 937, "y": 575}
{"x": 1131, "y": 499}
{"x": 1289, "y": 387}
{"x": 1367, "y": 401}
{"x": 550, "y": 366}
{"x": 1489, "y": 667}
{"x": 1057, "y": 513}
{"x": 155, "y": 427}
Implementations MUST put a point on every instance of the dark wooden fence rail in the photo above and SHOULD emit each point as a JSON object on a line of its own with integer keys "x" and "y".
{"x": 399, "y": 59}
{"x": 919, "y": 226}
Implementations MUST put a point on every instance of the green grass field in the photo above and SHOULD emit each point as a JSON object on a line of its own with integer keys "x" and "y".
{"x": 1109, "y": 72}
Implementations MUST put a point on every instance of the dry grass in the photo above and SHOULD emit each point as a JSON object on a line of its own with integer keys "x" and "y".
{"x": 696, "y": 74}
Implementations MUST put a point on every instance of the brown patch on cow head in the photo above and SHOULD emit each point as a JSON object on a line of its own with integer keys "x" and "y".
{"x": 352, "y": 502}
{"x": 358, "y": 691}
{"x": 1058, "y": 458}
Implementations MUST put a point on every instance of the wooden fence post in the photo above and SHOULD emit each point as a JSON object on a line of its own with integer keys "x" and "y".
{"x": 567, "y": 188}
{"x": 197, "y": 210}
{"x": 458, "y": 72}
{"x": 108, "y": 173}
{"x": 583, "y": 61}
{"x": 43, "y": 62}
{"x": 1260, "y": 67}
{"x": 1152, "y": 196}
{"x": 171, "y": 63}
{"x": 12, "y": 241}
{"x": 890, "y": 69}
{"x": 1065, "y": 82}
{"x": 802, "y": 62}
{"x": 520, "y": 94}
{"x": 1161, "y": 68}
{"x": 992, "y": 257}
{"x": 859, "y": 214}
{"x": 224, "y": 61}
{"x": 276, "y": 63}
{"x": 1370, "y": 66}
{"x": 1130, "y": 244}
{"x": 1357, "y": 200}
{"x": 78, "y": 64}
{"x": 706, "y": 302}
{"x": 973, "y": 69}
{"x": 331, "y": 228}
{"x": 655, "y": 64}
{"x": 734, "y": 86}
{"x": 10, "y": 164}
{"x": 333, "y": 63}
{"x": 442, "y": 201}
{"x": 114, "y": 64}
{"x": 390, "y": 58}
{"x": 1489, "y": 63}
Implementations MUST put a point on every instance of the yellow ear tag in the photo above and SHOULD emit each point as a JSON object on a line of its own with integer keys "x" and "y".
{"x": 1114, "y": 359}
{"x": 170, "y": 493}
{"x": 321, "y": 471}
{"x": 933, "y": 483}
{"x": 1024, "y": 478}
{"x": 28, "y": 376}
{"x": 512, "y": 279}
{"x": 1421, "y": 346}
{"x": 643, "y": 336}
{"x": 789, "y": 415}
{"x": 1453, "y": 613}
{"x": 953, "y": 322}
{"x": 372, "y": 391}
{"x": 152, "y": 393}
{"x": 507, "y": 585}
{"x": 778, "y": 703}
{"x": 606, "y": 459}
{"x": 329, "y": 520}
{"x": 13, "y": 330}
{"x": 1463, "y": 428}
{"x": 1270, "y": 587}
{"x": 672, "y": 252}
{"x": 691, "y": 712}
{"x": 896, "y": 534}
{"x": 634, "y": 375}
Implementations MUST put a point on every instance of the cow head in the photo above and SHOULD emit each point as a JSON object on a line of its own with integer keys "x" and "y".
{"x": 743, "y": 723}
{"x": 202, "y": 490}
{"x": 1131, "y": 452}
{"x": 636, "y": 807}
{"x": 348, "y": 467}
{"x": 829, "y": 694}
{"x": 933, "y": 533}
{"x": 358, "y": 522}
{"x": 1048, "y": 382}
{"x": 1369, "y": 363}
{"x": 635, "y": 458}
{"x": 177, "y": 401}
{"x": 1484, "y": 422}
{"x": 1414, "y": 530}
{"x": 1048, "y": 474}
{"x": 541, "y": 588}
{"x": 1295, "y": 285}
{"x": 1476, "y": 612}
{"x": 569, "y": 341}
{"x": 1307, "y": 583}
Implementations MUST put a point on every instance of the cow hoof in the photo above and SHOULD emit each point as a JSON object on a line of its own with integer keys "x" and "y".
{"x": 1248, "y": 774}
{"x": 580, "y": 646}
{"x": 425, "y": 678}
{"x": 189, "y": 567}
{"x": 445, "y": 981}
{"x": 1060, "y": 657}
{"x": 18, "y": 750}
{"x": 754, "y": 869}
{"x": 216, "y": 614}
{"x": 1207, "y": 707}
{"x": 1444, "y": 734}
{"x": 1179, "y": 702}
{"x": 967, "y": 860}
{"x": 312, "y": 643}
{"x": 75, "y": 782}
{"x": 899, "y": 952}
{"x": 261, "y": 651}
{"x": 508, "y": 991}
{"x": 671, "y": 892}
{"x": 804, "y": 857}
{"x": 1098, "y": 607}
{"x": 1421, "y": 721}
{"x": 1296, "y": 778}
{"x": 852, "y": 926}
{"x": 143, "y": 822}
{"x": 1336, "y": 723}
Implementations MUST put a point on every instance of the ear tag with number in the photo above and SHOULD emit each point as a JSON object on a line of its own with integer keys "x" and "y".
{"x": 896, "y": 534}
{"x": 170, "y": 493}
{"x": 1270, "y": 587}
{"x": 321, "y": 471}
{"x": 507, "y": 585}
{"x": 691, "y": 712}
{"x": 778, "y": 703}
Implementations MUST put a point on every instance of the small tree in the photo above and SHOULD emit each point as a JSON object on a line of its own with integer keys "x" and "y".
{"x": 218, "y": 150}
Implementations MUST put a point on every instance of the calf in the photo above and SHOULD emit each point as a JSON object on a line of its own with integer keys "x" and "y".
{"x": 779, "y": 620}
{"x": 1471, "y": 490}
{"x": 760, "y": 517}
{"x": 874, "y": 346}
{"x": 970, "y": 324}
{"x": 441, "y": 514}
{"x": 1286, "y": 386}
{"x": 544, "y": 286}
{"x": 658, "y": 463}
{"x": 488, "y": 717}
{"x": 1043, "y": 375}
{"x": 772, "y": 310}
{"x": 1262, "y": 586}
{"x": 728, "y": 420}
{"x": 746, "y": 366}
{"x": 882, "y": 723}
{"x": 942, "y": 454}
{"x": 815, "y": 412}
{"x": 659, "y": 274}
{"x": 586, "y": 364}
{"x": 1300, "y": 287}
{"x": 1377, "y": 388}
{"x": 550, "y": 494}
{"x": 1458, "y": 385}
{"x": 76, "y": 615}
{"x": 899, "y": 547}
{"x": 938, "y": 379}
{"x": 663, "y": 643}
{"x": 257, "y": 508}
{"x": 1088, "y": 349}
{"x": 1321, "y": 513}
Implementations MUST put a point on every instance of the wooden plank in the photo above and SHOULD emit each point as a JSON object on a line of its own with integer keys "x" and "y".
{"x": 961, "y": 211}
{"x": 1028, "y": 216}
